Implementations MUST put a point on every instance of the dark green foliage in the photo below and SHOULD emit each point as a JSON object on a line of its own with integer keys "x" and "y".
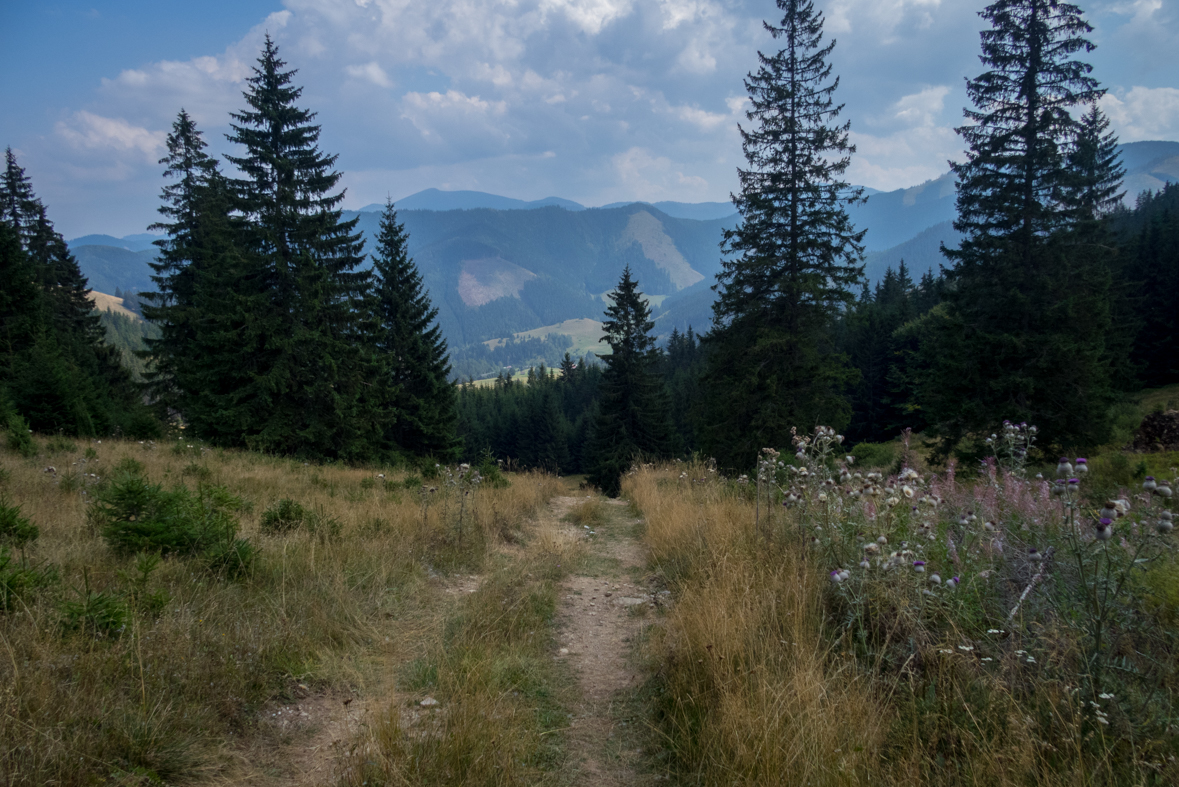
{"x": 1024, "y": 333}
{"x": 410, "y": 345}
{"x": 18, "y": 438}
{"x": 284, "y": 515}
{"x": 14, "y": 528}
{"x": 871, "y": 334}
{"x": 633, "y": 418}
{"x": 1149, "y": 241}
{"x": 772, "y": 364}
{"x": 681, "y": 367}
{"x": 305, "y": 363}
{"x": 503, "y": 422}
{"x": 55, "y": 367}
{"x": 18, "y": 578}
{"x": 136, "y": 516}
{"x": 94, "y": 612}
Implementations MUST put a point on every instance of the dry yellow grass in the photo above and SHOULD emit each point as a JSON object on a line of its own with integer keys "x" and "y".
{"x": 176, "y": 694}
{"x": 754, "y": 685}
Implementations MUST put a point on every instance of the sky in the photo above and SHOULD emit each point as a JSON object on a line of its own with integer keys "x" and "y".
{"x": 593, "y": 100}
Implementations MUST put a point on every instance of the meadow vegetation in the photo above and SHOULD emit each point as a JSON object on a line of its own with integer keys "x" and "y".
{"x": 157, "y": 598}
{"x": 836, "y": 623}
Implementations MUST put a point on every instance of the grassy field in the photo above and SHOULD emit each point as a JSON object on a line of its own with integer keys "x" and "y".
{"x": 284, "y": 589}
{"x": 913, "y": 628}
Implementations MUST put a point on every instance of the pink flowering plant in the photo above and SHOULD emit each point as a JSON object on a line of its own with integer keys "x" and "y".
{"x": 1034, "y": 584}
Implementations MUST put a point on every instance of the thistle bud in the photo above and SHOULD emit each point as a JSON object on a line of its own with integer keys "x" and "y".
{"x": 952, "y": 582}
{"x": 1064, "y": 469}
{"x": 1082, "y": 466}
{"x": 1104, "y": 529}
{"x": 836, "y": 577}
{"x": 865, "y": 564}
{"x": 1165, "y": 525}
{"x": 1034, "y": 555}
{"x": 935, "y": 579}
{"x": 919, "y": 566}
{"x": 1149, "y": 484}
{"x": 1109, "y": 510}
{"x": 1163, "y": 490}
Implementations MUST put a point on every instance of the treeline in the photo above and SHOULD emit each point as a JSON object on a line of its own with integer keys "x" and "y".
{"x": 272, "y": 336}
{"x": 1057, "y": 300}
{"x": 478, "y": 361}
{"x": 57, "y": 374}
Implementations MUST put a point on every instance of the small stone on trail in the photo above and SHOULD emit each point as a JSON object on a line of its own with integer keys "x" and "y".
{"x": 428, "y": 702}
{"x": 563, "y": 652}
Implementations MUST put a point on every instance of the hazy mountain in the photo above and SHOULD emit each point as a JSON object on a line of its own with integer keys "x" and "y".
{"x": 111, "y": 267}
{"x": 493, "y": 273}
{"x": 141, "y": 242}
{"x": 497, "y": 266}
{"x": 434, "y": 199}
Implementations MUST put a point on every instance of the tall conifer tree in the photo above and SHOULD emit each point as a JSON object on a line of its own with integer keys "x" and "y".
{"x": 413, "y": 349}
{"x": 69, "y": 379}
{"x": 309, "y": 380}
{"x": 772, "y": 365}
{"x": 633, "y": 420}
{"x": 1023, "y": 335}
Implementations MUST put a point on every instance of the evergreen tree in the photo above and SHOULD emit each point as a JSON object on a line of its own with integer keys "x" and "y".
{"x": 772, "y": 364}
{"x": 200, "y": 280}
{"x": 633, "y": 420}
{"x": 309, "y": 380}
{"x": 413, "y": 348}
{"x": 68, "y": 379}
{"x": 1024, "y": 330}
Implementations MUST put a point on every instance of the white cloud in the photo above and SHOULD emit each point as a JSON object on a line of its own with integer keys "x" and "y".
{"x": 87, "y": 131}
{"x": 903, "y": 158}
{"x": 371, "y": 72}
{"x": 590, "y": 15}
{"x": 1143, "y": 113}
{"x": 879, "y": 16}
{"x": 452, "y": 115}
{"x": 651, "y": 178}
{"x": 923, "y": 108}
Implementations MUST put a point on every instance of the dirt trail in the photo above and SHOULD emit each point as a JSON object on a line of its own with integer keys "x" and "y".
{"x": 601, "y": 613}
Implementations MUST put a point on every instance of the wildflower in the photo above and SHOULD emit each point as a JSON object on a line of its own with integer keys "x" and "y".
{"x": 919, "y": 566}
{"x": 1163, "y": 490}
{"x": 1150, "y": 484}
{"x": 1082, "y": 466}
{"x": 994, "y": 631}
{"x": 822, "y": 497}
{"x": 1105, "y": 696}
{"x": 1031, "y": 660}
{"x": 865, "y": 564}
{"x": 892, "y": 502}
{"x": 987, "y": 658}
{"x": 1034, "y": 554}
{"x": 907, "y": 491}
{"x": 1164, "y": 524}
{"x": 871, "y": 548}
{"x": 944, "y": 650}
{"x": 935, "y": 579}
{"x": 1064, "y": 468}
{"x": 1058, "y": 487}
{"x": 989, "y": 526}
{"x": 1104, "y": 529}
{"x": 836, "y": 577}
{"x": 1109, "y": 510}
{"x": 1103, "y": 720}
{"x": 1122, "y": 505}
{"x": 882, "y": 540}
{"x": 966, "y": 648}
{"x": 952, "y": 582}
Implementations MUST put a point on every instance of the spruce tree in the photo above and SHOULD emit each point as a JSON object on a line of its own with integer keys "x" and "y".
{"x": 184, "y": 375}
{"x": 633, "y": 420}
{"x": 69, "y": 379}
{"x": 309, "y": 390}
{"x": 1024, "y": 332}
{"x": 794, "y": 256}
{"x": 412, "y": 348}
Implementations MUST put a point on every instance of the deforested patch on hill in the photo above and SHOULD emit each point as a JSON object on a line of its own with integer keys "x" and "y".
{"x": 484, "y": 280}
{"x": 647, "y": 231}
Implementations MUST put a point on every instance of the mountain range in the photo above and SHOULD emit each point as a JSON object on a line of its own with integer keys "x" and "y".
{"x": 497, "y": 266}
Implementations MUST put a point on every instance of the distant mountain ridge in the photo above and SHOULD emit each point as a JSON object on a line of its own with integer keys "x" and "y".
{"x": 497, "y": 266}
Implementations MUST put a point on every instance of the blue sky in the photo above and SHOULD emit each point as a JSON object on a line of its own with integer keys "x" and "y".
{"x": 592, "y": 100}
